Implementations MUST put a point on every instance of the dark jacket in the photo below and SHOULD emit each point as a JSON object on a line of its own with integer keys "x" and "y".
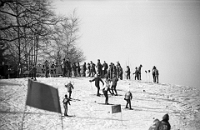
{"x": 69, "y": 87}
{"x": 97, "y": 80}
{"x": 164, "y": 124}
{"x": 128, "y": 71}
{"x": 105, "y": 65}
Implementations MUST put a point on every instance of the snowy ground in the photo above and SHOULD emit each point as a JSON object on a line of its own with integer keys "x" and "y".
{"x": 88, "y": 112}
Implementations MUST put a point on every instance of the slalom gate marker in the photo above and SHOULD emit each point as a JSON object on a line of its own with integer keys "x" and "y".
{"x": 42, "y": 96}
{"x": 117, "y": 109}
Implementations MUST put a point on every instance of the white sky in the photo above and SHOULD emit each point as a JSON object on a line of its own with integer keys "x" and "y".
{"x": 165, "y": 34}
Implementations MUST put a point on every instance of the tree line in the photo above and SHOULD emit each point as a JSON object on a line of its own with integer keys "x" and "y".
{"x": 31, "y": 32}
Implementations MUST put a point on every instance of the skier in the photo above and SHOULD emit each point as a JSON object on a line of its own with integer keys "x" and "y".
{"x": 106, "y": 89}
{"x": 69, "y": 87}
{"x": 97, "y": 80}
{"x": 128, "y": 98}
{"x": 66, "y": 101}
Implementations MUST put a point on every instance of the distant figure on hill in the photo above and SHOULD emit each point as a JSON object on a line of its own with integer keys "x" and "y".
{"x": 110, "y": 70}
{"x": 66, "y": 101}
{"x": 92, "y": 69}
{"x": 69, "y": 87}
{"x": 99, "y": 67}
{"x": 78, "y": 69}
{"x": 105, "y": 68}
{"x": 97, "y": 80}
{"x": 74, "y": 70}
{"x": 33, "y": 73}
{"x": 128, "y": 97}
{"x": 161, "y": 125}
{"x": 128, "y": 71}
{"x": 84, "y": 69}
{"x": 155, "y": 75}
{"x": 63, "y": 65}
{"x": 139, "y": 72}
{"x": 67, "y": 68}
{"x": 106, "y": 89}
{"x": 114, "y": 70}
{"x": 119, "y": 71}
{"x": 46, "y": 64}
{"x": 136, "y": 73}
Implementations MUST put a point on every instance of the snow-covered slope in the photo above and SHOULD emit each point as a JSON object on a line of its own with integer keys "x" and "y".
{"x": 88, "y": 112}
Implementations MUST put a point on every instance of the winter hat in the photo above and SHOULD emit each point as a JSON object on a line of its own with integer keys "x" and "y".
{"x": 166, "y": 117}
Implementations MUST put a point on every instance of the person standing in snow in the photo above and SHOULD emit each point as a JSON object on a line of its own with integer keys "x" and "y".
{"x": 128, "y": 98}
{"x": 128, "y": 71}
{"x": 34, "y": 71}
{"x": 136, "y": 73}
{"x": 106, "y": 89}
{"x": 66, "y": 101}
{"x": 46, "y": 64}
{"x": 92, "y": 69}
{"x": 74, "y": 70}
{"x": 78, "y": 69}
{"x": 139, "y": 72}
{"x": 84, "y": 69}
{"x": 105, "y": 67}
{"x": 99, "y": 68}
{"x": 114, "y": 85}
{"x": 69, "y": 87}
{"x": 156, "y": 75}
{"x": 97, "y": 80}
{"x": 63, "y": 65}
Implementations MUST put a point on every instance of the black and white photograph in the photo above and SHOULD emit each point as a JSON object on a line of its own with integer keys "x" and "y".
{"x": 99, "y": 65}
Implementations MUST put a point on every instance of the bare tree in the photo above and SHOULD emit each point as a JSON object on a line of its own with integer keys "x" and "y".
{"x": 30, "y": 28}
{"x": 23, "y": 23}
{"x": 64, "y": 41}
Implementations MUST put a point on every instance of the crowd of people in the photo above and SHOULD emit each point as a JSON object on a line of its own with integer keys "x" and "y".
{"x": 68, "y": 69}
{"x": 105, "y": 70}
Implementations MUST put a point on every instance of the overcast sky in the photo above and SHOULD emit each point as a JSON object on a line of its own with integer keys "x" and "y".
{"x": 148, "y": 32}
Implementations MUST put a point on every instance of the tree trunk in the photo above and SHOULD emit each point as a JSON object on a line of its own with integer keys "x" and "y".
{"x": 18, "y": 34}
